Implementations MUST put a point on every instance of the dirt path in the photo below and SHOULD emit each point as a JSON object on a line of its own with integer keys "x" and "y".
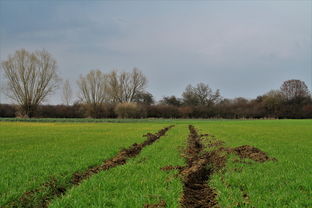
{"x": 41, "y": 196}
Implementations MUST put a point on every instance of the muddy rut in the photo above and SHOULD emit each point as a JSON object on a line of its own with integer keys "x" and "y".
{"x": 196, "y": 191}
{"x": 53, "y": 189}
{"x": 202, "y": 164}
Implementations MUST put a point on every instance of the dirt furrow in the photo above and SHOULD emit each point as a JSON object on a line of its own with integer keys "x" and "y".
{"x": 196, "y": 191}
{"x": 202, "y": 164}
{"x": 41, "y": 196}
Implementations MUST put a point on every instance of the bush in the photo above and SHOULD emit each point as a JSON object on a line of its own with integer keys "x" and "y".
{"x": 60, "y": 111}
{"x": 203, "y": 112}
{"x": 100, "y": 111}
{"x": 7, "y": 110}
{"x": 186, "y": 111}
{"x": 130, "y": 110}
{"x": 163, "y": 111}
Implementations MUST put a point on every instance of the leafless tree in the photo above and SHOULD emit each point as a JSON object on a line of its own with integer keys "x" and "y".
{"x": 292, "y": 89}
{"x": 31, "y": 77}
{"x": 114, "y": 88}
{"x": 202, "y": 94}
{"x": 93, "y": 90}
{"x": 189, "y": 96}
{"x": 136, "y": 85}
{"x": 124, "y": 87}
{"x": 272, "y": 101}
{"x": 67, "y": 93}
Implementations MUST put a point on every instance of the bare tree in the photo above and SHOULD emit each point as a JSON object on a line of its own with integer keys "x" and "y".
{"x": 125, "y": 87}
{"x": 136, "y": 85}
{"x": 93, "y": 90}
{"x": 293, "y": 89}
{"x": 189, "y": 96}
{"x": 31, "y": 77}
{"x": 202, "y": 94}
{"x": 272, "y": 101}
{"x": 67, "y": 93}
{"x": 144, "y": 98}
{"x": 171, "y": 100}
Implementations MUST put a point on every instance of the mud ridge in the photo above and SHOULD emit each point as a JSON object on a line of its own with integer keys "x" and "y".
{"x": 195, "y": 176}
{"x": 201, "y": 165}
{"x": 170, "y": 167}
{"x": 253, "y": 153}
{"x": 54, "y": 188}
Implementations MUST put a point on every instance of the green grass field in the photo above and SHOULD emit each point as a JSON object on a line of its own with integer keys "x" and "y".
{"x": 33, "y": 153}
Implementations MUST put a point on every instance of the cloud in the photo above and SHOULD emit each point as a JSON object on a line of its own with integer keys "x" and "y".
{"x": 243, "y": 48}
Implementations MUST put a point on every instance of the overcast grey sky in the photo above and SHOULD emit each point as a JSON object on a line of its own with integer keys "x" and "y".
{"x": 243, "y": 48}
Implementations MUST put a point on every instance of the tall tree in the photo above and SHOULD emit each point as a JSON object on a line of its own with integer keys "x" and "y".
{"x": 294, "y": 89}
{"x": 189, "y": 96}
{"x": 124, "y": 87}
{"x": 93, "y": 90}
{"x": 171, "y": 100}
{"x": 272, "y": 102}
{"x": 202, "y": 94}
{"x": 67, "y": 93}
{"x": 144, "y": 98}
{"x": 31, "y": 77}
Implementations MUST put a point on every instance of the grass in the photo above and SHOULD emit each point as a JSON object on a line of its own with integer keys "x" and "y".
{"x": 138, "y": 182}
{"x": 285, "y": 183}
{"x": 32, "y": 153}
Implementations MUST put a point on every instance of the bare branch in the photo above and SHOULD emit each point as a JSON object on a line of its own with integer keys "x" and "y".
{"x": 31, "y": 77}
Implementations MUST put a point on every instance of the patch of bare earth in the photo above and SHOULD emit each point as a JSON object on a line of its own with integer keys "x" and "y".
{"x": 253, "y": 153}
{"x": 170, "y": 167}
{"x": 53, "y": 189}
{"x": 162, "y": 203}
{"x": 195, "y": 176}
{"x": 202, "y": 164}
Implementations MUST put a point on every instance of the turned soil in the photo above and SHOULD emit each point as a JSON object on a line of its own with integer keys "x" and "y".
{"x": 202, "y": 164}
{"x": 195, "y": 176}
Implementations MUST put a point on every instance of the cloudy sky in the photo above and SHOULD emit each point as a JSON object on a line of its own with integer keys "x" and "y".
{"x": 243, "y": 48}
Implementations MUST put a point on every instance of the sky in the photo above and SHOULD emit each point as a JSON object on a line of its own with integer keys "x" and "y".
{"x": 244, "y": 48}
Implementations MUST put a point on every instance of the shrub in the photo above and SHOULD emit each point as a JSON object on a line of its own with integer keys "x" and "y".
{"x": 130, "y": 110}
{"x": 100, "y": 111}
{"x": 186, "y": 111}
{"x": 60, "y": 111}
{"x": 163, "y": 111}
{"x": 7, "y": 110}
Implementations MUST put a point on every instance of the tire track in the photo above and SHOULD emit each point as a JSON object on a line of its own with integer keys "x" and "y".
{"x": 202, "y": 164}
{"x": 40, "y": 197}
{"x": 195, "y": 176}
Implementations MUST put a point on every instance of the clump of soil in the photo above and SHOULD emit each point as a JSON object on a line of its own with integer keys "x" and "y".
{"x": 170, "y": 167}
{"x": 253, "y": 153}
{"x": 162, "y": 203}
{"x": 215, "y": 143}
{"x": 50, "y": 189}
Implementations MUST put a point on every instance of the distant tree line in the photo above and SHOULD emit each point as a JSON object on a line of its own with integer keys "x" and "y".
{"x": 32, "y": 77}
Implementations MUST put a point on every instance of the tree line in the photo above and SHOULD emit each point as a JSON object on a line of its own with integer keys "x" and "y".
{"x": 32, "y": 77}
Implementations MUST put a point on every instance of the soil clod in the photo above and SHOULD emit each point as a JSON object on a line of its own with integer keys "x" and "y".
{"x": 170, "y": 167}
{"x": 253, "y": 153}
{"x": 162, "y": 203}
